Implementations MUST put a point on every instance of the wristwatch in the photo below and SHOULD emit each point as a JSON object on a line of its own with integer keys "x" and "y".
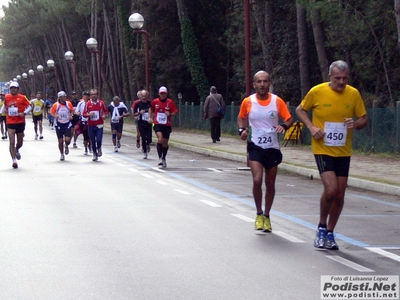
{"x": 240, "y": 130}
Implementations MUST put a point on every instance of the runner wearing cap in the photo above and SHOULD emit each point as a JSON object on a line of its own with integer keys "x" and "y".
{"x": 16, "y": 106}
{"x": 37, "y": 114}
{"x": 62, "y": 112}
{"x": 160, "y": 113}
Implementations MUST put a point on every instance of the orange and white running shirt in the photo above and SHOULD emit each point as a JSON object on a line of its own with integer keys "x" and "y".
{"x": 263, "y": 117}
{"x": 63, "y": 111}
{"x": 15, "y": 104}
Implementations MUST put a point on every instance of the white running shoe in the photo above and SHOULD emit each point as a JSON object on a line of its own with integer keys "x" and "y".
{"x": 160, "y": 163}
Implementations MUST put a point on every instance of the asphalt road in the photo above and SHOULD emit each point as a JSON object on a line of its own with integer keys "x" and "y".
{"x": 120, "y": 228}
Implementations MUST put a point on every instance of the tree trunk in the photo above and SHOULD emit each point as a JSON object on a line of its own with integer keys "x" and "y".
{"x": 262, "y": 16}
{"x": 397, "y": 15}
{"x": 304, "y": 62}
{"x": 192, "y": 52}
{"x": 319, "y": 40}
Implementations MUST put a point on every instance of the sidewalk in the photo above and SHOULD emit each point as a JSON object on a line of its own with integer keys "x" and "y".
{"x": 366, "y": 171}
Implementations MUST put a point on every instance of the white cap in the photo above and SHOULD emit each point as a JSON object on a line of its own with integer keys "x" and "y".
{"x": 163, "y": 89}
{"x": 14, "y": 84}
{"x": 61, "y": 94}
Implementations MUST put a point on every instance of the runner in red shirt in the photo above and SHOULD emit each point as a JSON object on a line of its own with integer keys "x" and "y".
{"x": 96, "y": 110}
{"x": 16, "y": 106}
{"x": 160, "y": 113}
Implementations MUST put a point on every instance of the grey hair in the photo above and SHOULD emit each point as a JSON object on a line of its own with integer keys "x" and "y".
{"x": 213, "y": 90}
{"x": 340, "y": 64}
{"x": 116, "y": 98}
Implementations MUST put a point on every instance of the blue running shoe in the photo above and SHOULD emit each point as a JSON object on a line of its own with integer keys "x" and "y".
{"x": 320, "y": 237}
{"x": 330, "y": 242}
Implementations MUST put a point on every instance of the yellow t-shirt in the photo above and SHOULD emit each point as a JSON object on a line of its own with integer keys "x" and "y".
{"x": 37, "y": 106}
{"x": 329, "y": 108}
{"x": 1, "y": 105}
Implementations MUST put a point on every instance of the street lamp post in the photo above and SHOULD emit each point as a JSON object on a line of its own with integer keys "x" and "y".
{"x": 69, "y": 56}
{"x": 247, "y": 46}
{"x": 91, "y": 44}
{"x": 24, "y": 78}
{"x": 179, "y": 107}
{"x": 40, "y": 69}
{"x": 32, "y": 74}
{"x": 136, "y": 21}
{"x": 51, "y": 65}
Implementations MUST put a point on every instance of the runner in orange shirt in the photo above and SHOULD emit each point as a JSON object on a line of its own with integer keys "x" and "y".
{"x": 17, "y": 106}
{"x": 258, "y": 123}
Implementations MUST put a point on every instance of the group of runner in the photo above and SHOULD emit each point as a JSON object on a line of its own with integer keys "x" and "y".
{"x": 86, "y": 116}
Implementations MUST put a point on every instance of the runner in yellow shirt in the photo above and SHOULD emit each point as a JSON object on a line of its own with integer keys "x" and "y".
{"x": 337, "y": 109}
{"x": 37, "y": 114}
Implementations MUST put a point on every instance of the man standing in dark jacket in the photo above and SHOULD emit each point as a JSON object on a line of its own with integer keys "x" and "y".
{"x": 213, "y": 101}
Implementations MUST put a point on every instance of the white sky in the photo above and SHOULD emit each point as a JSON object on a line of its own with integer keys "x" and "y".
{"x": 3, "y": 2}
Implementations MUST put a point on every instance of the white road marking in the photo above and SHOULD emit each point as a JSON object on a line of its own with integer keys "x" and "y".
{"x": 182, "y": 192}
{"x": 212, "y": 204}
{"x": 133, "y": 170}
{"x": 244, "y": 218}
{"x": 215, "y": 170}
{"x": 349, "y": 263}
{"x": 288, "y": 236}
{"x": 384, "y": 252}
{"x": 162, "y": 182}
{"x": 147, "y": 175}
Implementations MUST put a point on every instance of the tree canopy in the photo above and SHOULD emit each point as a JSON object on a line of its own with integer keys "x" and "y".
{"x": 196, "y": 44}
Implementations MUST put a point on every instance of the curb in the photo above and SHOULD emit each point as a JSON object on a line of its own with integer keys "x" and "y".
{"x": 303, "y": 171}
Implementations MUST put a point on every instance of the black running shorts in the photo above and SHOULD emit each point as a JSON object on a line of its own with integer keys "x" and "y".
{"x": 269, "y": 158}
{"x": 339, "y": 165}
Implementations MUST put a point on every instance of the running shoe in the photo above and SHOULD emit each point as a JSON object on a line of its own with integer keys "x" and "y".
{"x": 320, "y": 237}
{"x": 74, "y": 145}
{"x": 160, "y": 163}
{"x": 118, "y": 144}
{"x": 62, "y": 157}
{"x": 137, "y": 143}
{"x": 145, "y": 155}
{"x": 94, "y": 157}
{"x": 115, "y": 148}
{"x": 66, "y": 151}
{"x": 15, "y": 165}
{"x": 164, "y": 163}
{"x": 41, "y": 137}
{"x": 259, "y": 224}
{"x": 267, "y": 224}
{"x": 86, "y": 152}
{"x": 3, "y": 137}
{"x": 36, "y": 136}
{"x": 330, "y": 242}
{"x": 99, "y": 153}
{"x": 17, "y": 155}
